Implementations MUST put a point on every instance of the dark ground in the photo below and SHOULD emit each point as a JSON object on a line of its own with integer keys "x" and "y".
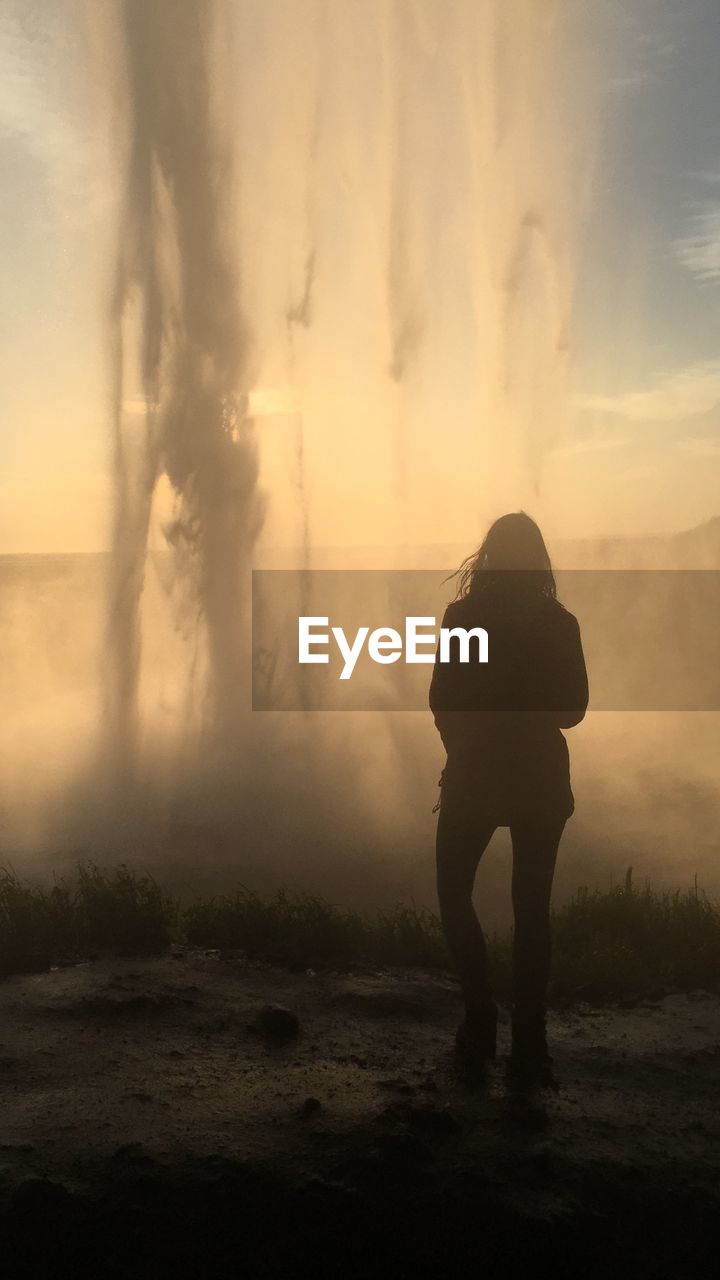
{"x": 149, "y": 1128}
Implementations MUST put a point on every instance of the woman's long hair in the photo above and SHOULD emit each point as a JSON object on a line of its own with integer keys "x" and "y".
{"x": 513, "y": 543}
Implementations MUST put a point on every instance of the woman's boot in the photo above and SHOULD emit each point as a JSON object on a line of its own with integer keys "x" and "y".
{"x": 529, "y": 1057}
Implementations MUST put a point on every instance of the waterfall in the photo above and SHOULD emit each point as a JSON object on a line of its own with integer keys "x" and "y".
{"x": 180, "y": 338}
{"x": 341, "y": 309}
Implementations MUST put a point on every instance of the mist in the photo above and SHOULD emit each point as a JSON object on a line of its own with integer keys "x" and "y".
{"x": 338, "y": 316}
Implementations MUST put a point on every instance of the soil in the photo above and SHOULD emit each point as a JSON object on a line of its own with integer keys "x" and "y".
{"x": 199, "y": 1115}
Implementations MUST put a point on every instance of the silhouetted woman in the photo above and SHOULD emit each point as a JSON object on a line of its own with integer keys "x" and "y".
{"x": 507, "y": 766}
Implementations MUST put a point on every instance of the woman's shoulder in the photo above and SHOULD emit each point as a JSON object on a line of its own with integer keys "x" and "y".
{"x": 455, "y": 611}
{"x": 466, "y": 611}
{"x": 560, "y": 616}
{"x": 544, "y": 608}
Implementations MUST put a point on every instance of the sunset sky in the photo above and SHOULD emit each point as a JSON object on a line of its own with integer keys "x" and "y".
{"x": 640, "y": 450}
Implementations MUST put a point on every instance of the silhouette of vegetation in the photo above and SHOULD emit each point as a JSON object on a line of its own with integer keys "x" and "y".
{"x": 609, "y": 945}
{"x": 626, "y": 941}
{"x": 302, "y": 929}
{"x": 98, "y": 910}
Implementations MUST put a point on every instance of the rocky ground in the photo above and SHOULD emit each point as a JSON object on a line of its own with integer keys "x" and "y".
{"x": 155, "y": 1122}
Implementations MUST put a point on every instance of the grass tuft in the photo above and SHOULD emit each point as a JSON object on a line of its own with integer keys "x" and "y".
{"x": 615, "y": 945}
{"x": 115, "y": 910}
{"x": 621, "y": 942}
{"x": 300, "y": 929}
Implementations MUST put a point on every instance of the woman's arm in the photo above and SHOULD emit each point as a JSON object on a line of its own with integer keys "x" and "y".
{"x": 570, "y": 695}
{"x": 442, "y": 690}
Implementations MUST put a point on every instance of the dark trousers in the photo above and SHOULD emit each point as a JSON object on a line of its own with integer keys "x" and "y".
{"x": 463, "y": 834}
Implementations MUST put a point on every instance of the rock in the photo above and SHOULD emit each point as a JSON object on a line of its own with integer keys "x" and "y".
{"x": 310, "y": 1106}
{"x": 277, "y": 1023}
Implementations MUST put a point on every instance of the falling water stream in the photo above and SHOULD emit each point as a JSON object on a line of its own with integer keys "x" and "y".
{"x": 345, "y": 260}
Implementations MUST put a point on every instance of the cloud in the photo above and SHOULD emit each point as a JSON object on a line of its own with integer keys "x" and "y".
{"x": 43, "y": 123}
{"x": 682, "y": 393}
{"x": 632, "y": 81}
{"x": 647, "y": 43}
{"x": 28, "y": 113}
{"x": 699, "y": 248}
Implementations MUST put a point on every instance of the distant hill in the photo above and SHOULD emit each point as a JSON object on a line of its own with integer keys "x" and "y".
{"x": 697, "y": 548}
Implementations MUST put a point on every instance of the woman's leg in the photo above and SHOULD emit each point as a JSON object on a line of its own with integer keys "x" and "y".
{"x": 461, "y": 840}
{"x": 535, "y": 847}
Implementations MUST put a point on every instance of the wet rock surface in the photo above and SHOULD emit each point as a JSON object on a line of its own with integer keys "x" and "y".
{"x": 194, "y": 1115}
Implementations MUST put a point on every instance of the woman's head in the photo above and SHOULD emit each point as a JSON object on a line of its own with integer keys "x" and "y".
{"x": 513, "y": 543}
